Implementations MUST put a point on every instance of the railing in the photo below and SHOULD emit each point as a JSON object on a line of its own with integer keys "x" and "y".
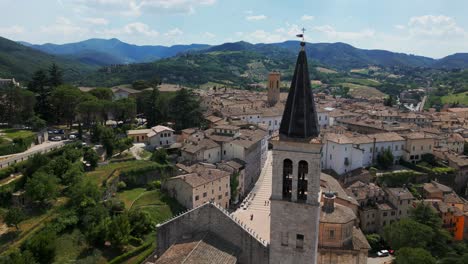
{"x": 223, "y": 210}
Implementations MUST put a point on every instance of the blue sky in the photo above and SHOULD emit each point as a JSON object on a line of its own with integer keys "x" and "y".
{"x": 433, "y": 28}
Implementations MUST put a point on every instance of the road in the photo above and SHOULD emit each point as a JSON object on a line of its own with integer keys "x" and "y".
{"x": 41, "y": 148}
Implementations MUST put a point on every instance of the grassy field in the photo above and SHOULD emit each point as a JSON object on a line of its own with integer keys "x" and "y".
{"x": 16, "y": 133}
{"x": 461, "y": 98}
{"x": 129, "y": 196}
{"x": 360, "y": 71}
{"x": 102, "y": 172}
{"x": 357, "y": 90}
{"x": 325, "y": 70}
{"x": 365, "y": 82}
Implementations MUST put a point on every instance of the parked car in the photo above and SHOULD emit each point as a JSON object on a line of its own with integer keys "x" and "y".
{"x": 72, "y": 137}
{"x": 55, "y": 139}
{"x": 391, "y": 251}
{"x": 383, "y": 253}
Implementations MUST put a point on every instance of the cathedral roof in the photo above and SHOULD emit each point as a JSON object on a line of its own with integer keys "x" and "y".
{"x": 202, "y": 248}
{"x": 300, "y": 116}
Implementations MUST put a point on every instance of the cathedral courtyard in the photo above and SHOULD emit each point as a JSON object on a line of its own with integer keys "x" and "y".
{"x": 255, "y": 209}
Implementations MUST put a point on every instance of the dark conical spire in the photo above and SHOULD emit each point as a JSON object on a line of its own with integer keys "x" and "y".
{"x": 300, "y": 117}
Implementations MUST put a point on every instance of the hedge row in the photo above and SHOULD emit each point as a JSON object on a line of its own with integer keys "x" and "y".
{"x": 18, "y": 145}
{"x": 122, "y": 258}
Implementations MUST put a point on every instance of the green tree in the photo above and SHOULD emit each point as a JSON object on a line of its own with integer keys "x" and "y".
{"x": 16, "y": 105}
{"x": 374, "y": 241}
{"x": 59, "y": 166}
{"x": 39, "y": 85}
{"x": 55, "y": 76}
{"x": 73, "y": 154}
{"x": 90, "y": 112}
{"x": 34, "y": 163}
{"x": 124, "y": 109}
{"x": 424, "y": 214}
{"x": 121, "y": 229}
{"x": 73, "y": 174}
{"x": 91, "y": 157}
{"x": 389, "y": 101}
{"x": 408, "y": 233}
{"x": 185, "y": 110}
{"x": 123, "y": 144}
{"x": 102, "y": 93}
{"x": 65, "y": 100}
{"x": 14, "y": 216}
{"x": 160, "y": 156}
{"x": 140, "y": 85}
{"x": 42, "y": 246}
{"x": 108, "y": 140}
{"x": 141, "y": 222}
{"x": 234, "y": 183}
{"x": 385, "y": 159}
{"x": 42, "y": 187}
{"x": 83, "y": 194}
{"x": 408, "y": 255}
{"x": 36, "y": 123}
{"x": 18, "y": 257}
{"x": 151, "y": 110}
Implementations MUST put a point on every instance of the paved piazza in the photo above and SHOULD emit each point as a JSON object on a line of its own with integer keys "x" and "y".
{"x": 257, "y": 203}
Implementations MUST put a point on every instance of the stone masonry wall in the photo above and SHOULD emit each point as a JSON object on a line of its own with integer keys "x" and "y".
{"x": 210, "y": 217}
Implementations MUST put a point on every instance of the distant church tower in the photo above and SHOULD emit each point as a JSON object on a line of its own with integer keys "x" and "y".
{"x": 295, "y": 199}
{"x": 273, "y": 88}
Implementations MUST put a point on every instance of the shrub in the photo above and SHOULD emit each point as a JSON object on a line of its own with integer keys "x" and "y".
{"x": 154, "y": 185}
{"x": 121, "y": 185}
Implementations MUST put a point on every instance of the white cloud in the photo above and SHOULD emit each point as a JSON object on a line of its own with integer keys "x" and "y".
{"x": 134, "y": 29}
{"x": 12, "y": 30}
{"x": 137, "y": 7}
{"x": 434, "y": 26}
{"x": 175, "y": 32}
{"x": 65, "y": 28}
{"x": 208, "y": 35}
{"x": 400, "y": 27}
{"x": 332, "y": 33}
{"x": 256, "y": 18}
{"x": 96, "y": 21}
{"x": 307, "y": 18}
{"x": 278, "y": 35}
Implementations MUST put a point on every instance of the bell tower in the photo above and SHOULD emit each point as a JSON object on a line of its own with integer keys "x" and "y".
{"x": 273, "y": 88}
{"x": 295, "y": 198}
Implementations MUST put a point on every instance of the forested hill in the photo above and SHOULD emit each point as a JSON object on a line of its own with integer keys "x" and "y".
{"x": 113, "y": 51}
{"x": 20, "y": 62}
{"x": 242, "y": 63}
{"x": 237, "y": 63}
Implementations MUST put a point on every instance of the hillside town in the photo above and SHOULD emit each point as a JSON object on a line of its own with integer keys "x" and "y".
{"x": 202, "y": 132}
{"x": 372, "y": 165}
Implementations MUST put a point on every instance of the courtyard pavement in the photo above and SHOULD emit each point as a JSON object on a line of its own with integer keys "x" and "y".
{"x": 255, "y": 209}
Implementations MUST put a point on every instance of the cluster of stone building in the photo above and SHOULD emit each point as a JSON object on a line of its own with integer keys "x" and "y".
{"x": 381, "y": 206}
{"x": 355, "y": 131}
{"x": 312, "y": 219}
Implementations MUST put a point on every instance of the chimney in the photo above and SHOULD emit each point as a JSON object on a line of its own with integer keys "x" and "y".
{"x": 328, "y": 202}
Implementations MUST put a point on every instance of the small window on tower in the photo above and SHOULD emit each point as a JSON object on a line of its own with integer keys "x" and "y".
{"x": 299, "y": 241}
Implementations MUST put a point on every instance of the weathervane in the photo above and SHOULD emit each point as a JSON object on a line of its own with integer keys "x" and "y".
{"x": 302, "y": 36}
